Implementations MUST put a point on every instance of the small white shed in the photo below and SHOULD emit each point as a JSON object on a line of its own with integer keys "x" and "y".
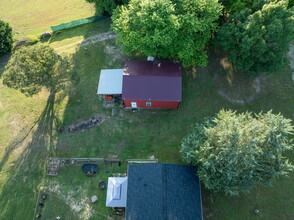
{"x": 117, "y": 192}
{"x": 110, "y": 82}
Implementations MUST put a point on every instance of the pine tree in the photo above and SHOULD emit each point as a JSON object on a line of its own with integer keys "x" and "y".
{"x": 257, "y": 40}
{"x": 5, "y": 37}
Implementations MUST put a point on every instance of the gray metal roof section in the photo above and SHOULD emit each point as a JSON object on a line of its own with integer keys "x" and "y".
{"x": 152, "y": 80}
{"x": 110, "y": 82}
{"x": 117, "y": 192}
{"x": 163, "y": 192}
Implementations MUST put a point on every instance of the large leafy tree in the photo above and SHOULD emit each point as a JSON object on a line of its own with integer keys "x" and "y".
{"x": 233, "y": 6}
{"x": 234, "y": 151}
{"x": 5, "y": 37}
{"x": 174, "y": 29}
{"x": 258, "y": 40}
{"x": 107, "y": 6}
{"x": 31, "y": 68}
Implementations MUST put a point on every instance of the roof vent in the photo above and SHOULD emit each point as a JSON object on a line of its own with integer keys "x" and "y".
{"x": 150, "y": 58}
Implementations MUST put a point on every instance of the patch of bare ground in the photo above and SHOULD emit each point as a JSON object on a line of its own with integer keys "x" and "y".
{"x": 113, "y": 54}
{"x": 81, "y": 206}
{"x": 86, "y": 124}
{"x": 88, "y": 41}
{"x": 236, "y": 87}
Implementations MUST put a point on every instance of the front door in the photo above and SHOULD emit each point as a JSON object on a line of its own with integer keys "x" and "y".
{"x": 134, "y": 104}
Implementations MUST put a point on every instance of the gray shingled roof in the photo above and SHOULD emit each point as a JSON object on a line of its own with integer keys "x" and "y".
{"x": 163, "y": 192}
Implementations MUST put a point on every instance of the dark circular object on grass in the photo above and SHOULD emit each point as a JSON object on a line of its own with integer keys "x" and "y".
{"x": 44, "y": 196}
{"x": 102, "y": 185}
{"x": 90, "y": 169}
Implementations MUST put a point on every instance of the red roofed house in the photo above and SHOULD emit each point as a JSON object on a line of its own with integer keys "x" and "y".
{"x": 150, "y": 84}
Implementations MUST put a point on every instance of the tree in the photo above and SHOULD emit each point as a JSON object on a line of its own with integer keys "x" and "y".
{"x": 5, "y": 37}
{"x": 106, "y": 6}
{"x": 233, "y": 6}
{"x": 234, "y": 151}
{"x": 258, "y": 40}
{"x": 33, "y": 67}
{"x": 173, "y": 29}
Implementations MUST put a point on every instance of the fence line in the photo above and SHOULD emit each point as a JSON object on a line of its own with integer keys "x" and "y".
{"x": 77, "y": 23}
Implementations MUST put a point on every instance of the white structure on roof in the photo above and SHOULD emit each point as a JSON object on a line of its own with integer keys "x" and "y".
{"x": 110, "y": 82}
{"x": 117, "y": 192}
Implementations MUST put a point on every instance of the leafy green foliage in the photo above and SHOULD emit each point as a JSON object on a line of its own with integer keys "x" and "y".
{"x": 258, "y": 40}
{"x": 237, "y": 151}
{"x": 167, "y": 29}
{"x": 5, "y": 37}
{"x": 233, "y": 6}
{"x": 107, "y": 6}
{"x": 193, "y": 140}
{"x": 31, "y": 68}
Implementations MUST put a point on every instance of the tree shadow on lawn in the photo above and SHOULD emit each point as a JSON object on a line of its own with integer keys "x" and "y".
{"x": 85, "y": 30}
{"x": 25, "y": 174}
{"x": 3, "y": 61}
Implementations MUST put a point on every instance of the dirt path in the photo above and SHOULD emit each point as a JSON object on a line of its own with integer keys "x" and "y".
{"x": 88, "y": 41}
{"x": 291, "y": 54}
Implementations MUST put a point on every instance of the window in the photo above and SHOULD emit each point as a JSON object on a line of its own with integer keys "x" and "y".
{"x": 148, "y": 103}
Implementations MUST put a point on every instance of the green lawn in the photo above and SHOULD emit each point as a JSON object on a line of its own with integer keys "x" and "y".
{"x": 28, "y": 133}
{"x": 32, "y": 17}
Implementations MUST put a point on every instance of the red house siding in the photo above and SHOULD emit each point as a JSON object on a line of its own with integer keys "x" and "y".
{"x": 154, "y": 104}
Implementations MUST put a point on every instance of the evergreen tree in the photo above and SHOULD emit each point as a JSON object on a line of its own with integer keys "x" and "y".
{"x": 232, "y": 6}
{"x": 106, "y": 6}
{"x": 5, "y": 37}
{"x": 258, "y": 40}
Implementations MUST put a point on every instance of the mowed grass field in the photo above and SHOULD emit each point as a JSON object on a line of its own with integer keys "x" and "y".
{"x": 28, "y": 132}
{"x": 29, "y": 18}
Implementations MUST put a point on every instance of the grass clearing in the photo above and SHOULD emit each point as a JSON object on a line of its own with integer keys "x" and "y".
{"x": 29, "y": 18}
{"x": 28, "y": 134}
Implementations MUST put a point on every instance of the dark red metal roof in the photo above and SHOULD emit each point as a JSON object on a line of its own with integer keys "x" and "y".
{"x": 152, "y": 80}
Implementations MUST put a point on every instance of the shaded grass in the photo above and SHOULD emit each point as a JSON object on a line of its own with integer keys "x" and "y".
{"x": 127, "y": 134}
{"x": 73, "y": 35}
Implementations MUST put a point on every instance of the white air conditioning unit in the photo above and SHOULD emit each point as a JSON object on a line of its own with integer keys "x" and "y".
{"x": 150, "y": 58}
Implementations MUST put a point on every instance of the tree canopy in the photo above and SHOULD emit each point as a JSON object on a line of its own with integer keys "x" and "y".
{"x": 233, "y": 6}
{"x": 107, "y": 6}
{"x": 236, "y": 151}
{"x": 173, "y": 29}
{"x": 258, "y": 39}
{"x": 33, "y": 67}
{"x": 5, "y": 37}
